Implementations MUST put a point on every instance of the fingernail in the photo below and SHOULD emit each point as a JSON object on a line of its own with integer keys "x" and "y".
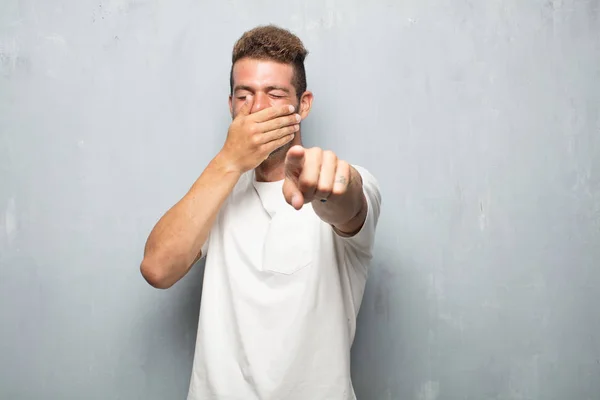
{"x": 291, "y": 108}
{"x": 298, "y": 117}
{"x": 294, "y": 199}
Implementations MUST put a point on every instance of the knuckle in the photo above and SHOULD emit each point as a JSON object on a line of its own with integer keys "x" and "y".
{"x": 255, "y": 140}
{"x": 330, "y": 155}
{"x": 338, "y": 190}
{"x": 325, "y": 189}
{"x": 313, "y": 153}
{"x": 306, "y": 183}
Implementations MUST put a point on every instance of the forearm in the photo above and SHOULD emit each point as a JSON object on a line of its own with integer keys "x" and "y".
{"x": 175, "y": 242}
{"x": 348, "y": 212}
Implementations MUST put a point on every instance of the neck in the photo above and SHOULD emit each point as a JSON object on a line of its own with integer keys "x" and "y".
{"x": 273, "y": 168}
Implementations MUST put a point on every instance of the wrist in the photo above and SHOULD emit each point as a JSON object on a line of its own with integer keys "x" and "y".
{"x": 225, "y": 163}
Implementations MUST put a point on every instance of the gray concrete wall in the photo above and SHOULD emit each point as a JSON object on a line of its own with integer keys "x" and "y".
{"x": 480, "y": 119}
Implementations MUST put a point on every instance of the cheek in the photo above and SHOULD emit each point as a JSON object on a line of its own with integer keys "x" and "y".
{"x": 236, "y": 105}
{"x": 286, "y": 101}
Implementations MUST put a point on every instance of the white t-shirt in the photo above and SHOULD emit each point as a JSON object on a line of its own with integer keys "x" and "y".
{"x": 280, "y": 298}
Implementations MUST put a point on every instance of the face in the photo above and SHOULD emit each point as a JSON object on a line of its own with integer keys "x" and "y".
{"x": 270, "y": 83}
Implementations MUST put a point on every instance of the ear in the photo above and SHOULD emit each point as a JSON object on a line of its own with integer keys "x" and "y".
{"x": 305, "y": 104}
{"x": 231, "y": 106}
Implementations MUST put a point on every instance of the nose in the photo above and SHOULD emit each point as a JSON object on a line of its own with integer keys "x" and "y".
{"x": 261, "y": 101}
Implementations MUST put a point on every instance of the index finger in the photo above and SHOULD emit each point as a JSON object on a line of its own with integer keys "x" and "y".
{"x": 272, "y": 112}
{"x": 295, "y": 157}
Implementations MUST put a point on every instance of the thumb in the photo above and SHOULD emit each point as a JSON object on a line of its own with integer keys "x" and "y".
{"x": 247, "y": 106}
{"x": 292, "y": 194}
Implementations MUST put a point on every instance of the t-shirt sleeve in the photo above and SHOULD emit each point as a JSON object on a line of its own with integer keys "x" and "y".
{"x": 205, "y": 248}
{"x": 362, "y": 242}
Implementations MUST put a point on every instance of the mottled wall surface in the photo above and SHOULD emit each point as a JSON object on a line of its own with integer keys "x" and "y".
{"x": 480, "y": 119}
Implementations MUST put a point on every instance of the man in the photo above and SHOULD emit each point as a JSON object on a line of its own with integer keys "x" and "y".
{"x": 287, "y": 233}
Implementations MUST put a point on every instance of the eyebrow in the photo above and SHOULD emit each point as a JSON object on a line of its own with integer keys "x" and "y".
{"x": 268, "y": 88}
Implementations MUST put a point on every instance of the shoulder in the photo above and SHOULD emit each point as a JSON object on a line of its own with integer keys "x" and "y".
{"x": 371, "y": 188}
{"x": 236, "y": 201}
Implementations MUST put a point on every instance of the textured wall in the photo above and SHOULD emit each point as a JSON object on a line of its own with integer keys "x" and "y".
{"x": 480, "y": 119}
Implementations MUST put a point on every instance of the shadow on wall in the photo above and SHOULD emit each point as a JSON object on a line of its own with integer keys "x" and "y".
{"x": 388, "y": 357}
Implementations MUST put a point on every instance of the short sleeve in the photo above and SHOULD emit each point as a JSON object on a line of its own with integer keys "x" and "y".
{"x": 362, "y": 242}
{"x": 205, "y": 246}
{"x": 204, "y": 250}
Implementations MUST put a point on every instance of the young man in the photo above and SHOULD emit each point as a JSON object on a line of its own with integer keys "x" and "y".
{"x": 287, "y": 233}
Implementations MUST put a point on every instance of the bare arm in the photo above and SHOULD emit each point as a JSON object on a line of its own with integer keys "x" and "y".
{"x": 175, "y": 243}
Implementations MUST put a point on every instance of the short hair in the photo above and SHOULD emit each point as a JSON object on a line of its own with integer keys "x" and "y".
{"x": 275, "y": 44}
